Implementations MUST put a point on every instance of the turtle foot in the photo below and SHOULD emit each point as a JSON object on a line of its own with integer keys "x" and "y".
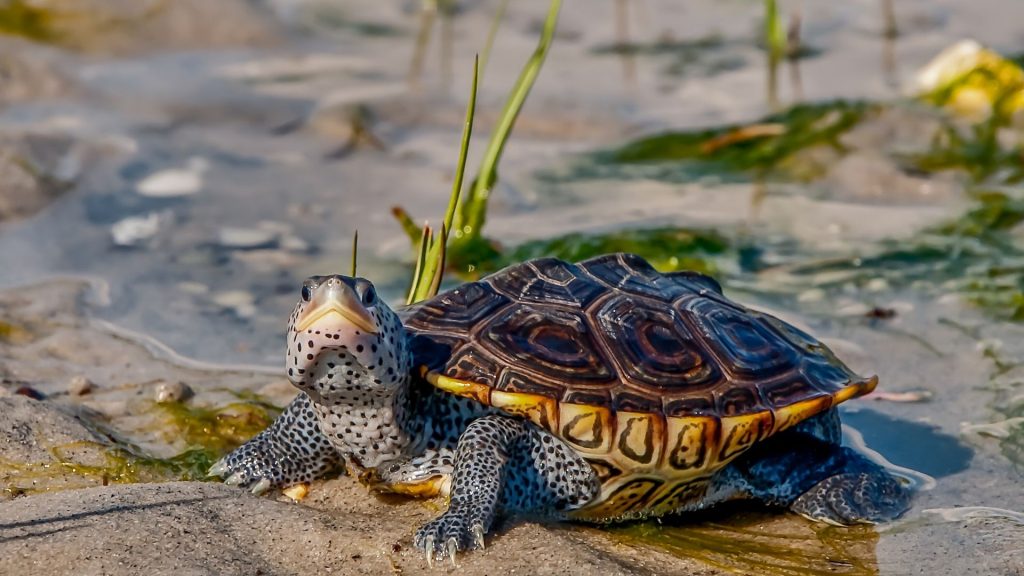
{"x": 855, "y": 498}
{"x": 448, "y": 534}
{"x": 251, "y": 468}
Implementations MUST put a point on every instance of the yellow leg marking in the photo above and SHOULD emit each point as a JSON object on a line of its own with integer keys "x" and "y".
{"x": 426, "y": 489}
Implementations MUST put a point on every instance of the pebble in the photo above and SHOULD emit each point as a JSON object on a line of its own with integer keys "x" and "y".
{"x": 877, "y": 285}
{"x": 247, "y": 238}
{"x": 294, "y": 244}
{"x": 174, "y": 182}
{"x": 196, "y": 288}
{"x": 812, "y": 295}
{"x": 135, "y": 230}
{"x": 240, "y": 302}
{"x": 902, "y": 396}
{"x": 80, "y": 386}
{"x": 26, "y": 390}
{"x": 167, "y": 392}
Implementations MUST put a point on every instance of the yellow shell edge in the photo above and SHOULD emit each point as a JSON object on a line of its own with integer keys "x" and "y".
{"x": 477, "y": 392}
{"x": 540, "y": 410}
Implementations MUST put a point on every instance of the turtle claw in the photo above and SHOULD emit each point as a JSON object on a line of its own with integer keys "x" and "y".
{"x": 218, "y": 468}
{"x": 428, "y": 545}
{"x": 235, "y": 479}
{"x": 478, "y": 536}
{"x": 262, "y": 486}
{"x": 451, "y": 547}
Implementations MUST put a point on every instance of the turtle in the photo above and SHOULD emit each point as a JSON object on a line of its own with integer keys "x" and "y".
{"x": 597, "y": 391}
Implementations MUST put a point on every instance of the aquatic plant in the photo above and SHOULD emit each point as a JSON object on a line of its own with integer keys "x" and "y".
{"x": 22, "y": 18}
{"x": 466, "y": 217}
{"x": 758, "y": 149}
{"x": 433, "y": 251}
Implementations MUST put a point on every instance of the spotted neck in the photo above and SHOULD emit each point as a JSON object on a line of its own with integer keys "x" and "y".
{"x": 368, "y": 425}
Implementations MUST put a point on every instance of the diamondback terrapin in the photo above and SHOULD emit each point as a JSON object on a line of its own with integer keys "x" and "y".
{"x": 596, "y": 391}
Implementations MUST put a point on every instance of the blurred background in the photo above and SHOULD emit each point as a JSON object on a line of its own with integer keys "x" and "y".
{"x": 170, "y": 171}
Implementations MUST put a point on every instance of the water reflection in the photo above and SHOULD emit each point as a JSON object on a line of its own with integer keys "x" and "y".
{"x": 760, "y": 543}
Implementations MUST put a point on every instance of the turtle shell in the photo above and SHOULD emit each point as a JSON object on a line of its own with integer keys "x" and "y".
{"x": 657, "y": 379}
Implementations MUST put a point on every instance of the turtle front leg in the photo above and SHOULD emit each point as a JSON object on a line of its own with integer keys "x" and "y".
{"x": 505, "y": 464}
{"x": 290, "y": 451}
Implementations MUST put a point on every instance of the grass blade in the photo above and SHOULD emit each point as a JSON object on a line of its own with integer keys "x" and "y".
{"x": 421, "y": 261}
{"x": 408, "y": 226}
{"x": 472, "y": 216}
{"x": 355, "y": 252}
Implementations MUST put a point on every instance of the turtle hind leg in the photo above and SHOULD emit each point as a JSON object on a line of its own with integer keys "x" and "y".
{"x": 854, "y": 498}
{"x": 819, "y": 480}
{"x": 291, "y": 450}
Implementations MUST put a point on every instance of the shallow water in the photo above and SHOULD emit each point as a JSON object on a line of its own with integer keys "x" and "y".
{"x": 262, "y": 191}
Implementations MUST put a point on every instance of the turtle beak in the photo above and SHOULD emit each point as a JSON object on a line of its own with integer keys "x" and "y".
{"x": 332, "y": 302}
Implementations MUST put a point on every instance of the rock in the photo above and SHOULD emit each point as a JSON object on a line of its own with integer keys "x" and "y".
{"x": 174, "y": 182}
{"x": 80, "y": 385}
{"x": 240, "y": 302}
{"x": 135, "y": 230}
{"x": 28, "y": 167}
{"x": 167, "y": 392}
{"x": 29, "y": 74}
{"x": 206, "y": 528}
{"x": 35, "y": 436}
{"x": 246, "y": 238}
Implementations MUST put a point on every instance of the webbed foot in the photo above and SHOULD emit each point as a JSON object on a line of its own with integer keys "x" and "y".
{"x": 448, "y": 534}
{"x": 855, "y": 498}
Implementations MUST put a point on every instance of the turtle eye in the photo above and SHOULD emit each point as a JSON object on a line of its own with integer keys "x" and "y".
{"x": 369, "y": 296}
{"x": 306, "y": 293}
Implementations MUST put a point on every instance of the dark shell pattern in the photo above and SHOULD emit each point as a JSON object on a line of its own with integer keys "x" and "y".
{"x": 650, "y": 375}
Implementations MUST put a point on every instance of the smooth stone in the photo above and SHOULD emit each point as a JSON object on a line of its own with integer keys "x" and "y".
{"x": 135, "y": 230}
{"x": 169, "y": 392}
{"x": 246, "y": 238}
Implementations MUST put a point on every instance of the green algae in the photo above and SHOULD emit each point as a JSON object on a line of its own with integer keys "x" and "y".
{"x": 21, "y": 18}
{"x": 759, "y": 148}
{"x": 207, "y": 432}
{"x": 758, "y": 544}
{"x": 978, "y": 255}
{"x": 107, "y": 465}
{"x": 14, "y": 333}
{"x": 215, "y": 430}
{"x": 667, "y": 249}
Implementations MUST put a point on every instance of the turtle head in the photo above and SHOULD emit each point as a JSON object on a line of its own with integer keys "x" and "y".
{"x": 344, "y": 341}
